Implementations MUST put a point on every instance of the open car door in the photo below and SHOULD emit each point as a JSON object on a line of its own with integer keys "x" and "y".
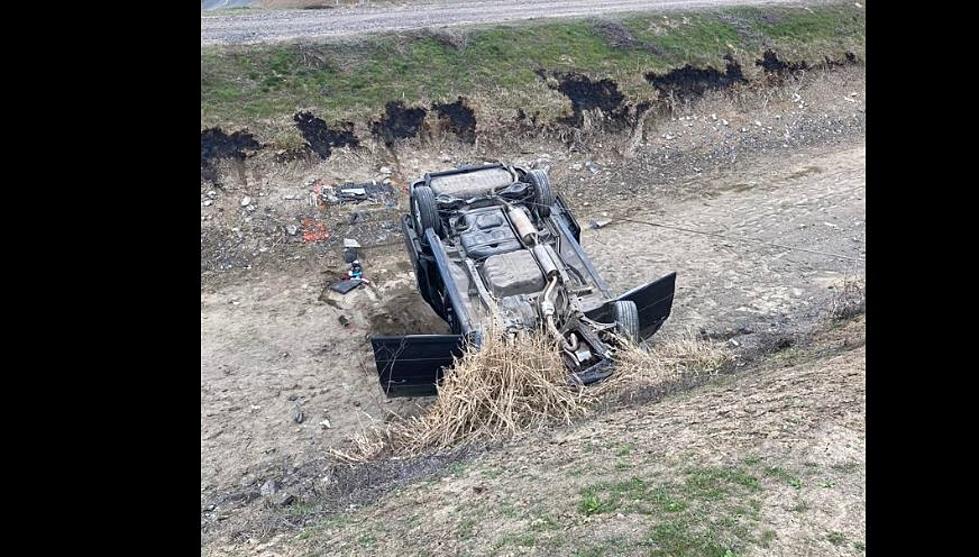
{"x": 654, "y": 302}
{"x": 413, "y": 365}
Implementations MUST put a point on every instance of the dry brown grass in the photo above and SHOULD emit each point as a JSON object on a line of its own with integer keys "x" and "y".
{"x": 518, "y": 384}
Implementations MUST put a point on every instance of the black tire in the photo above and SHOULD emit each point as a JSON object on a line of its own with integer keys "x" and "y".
{"x": 425, "y": 211}
{"x": 543, "y": 195}
{"x": 626, "y": 317}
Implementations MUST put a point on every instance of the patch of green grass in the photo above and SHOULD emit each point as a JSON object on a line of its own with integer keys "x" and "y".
{"x": 766, "y": 538}
{"x": 490, "y": 472}
{"x": 713, "y": 483}
{"x": 784, "y": 475}
{"x": 456, "y": 469}
{"x": 684, "y": 537}
{"x": 466, "y": 528}
{"x": 592, "y": 504}
{"x": 859, "y": 546}
{"x": 522, "y": 539}
{"x": 836, "y": 538}
{"x": 367, "y": 540}
{"x": 262, "y": 86}
{"x": 625, "y": 450}
{"x": 509, "y": 510}
{"x": 544, "y": 522}
{"x": 710, "y": 510}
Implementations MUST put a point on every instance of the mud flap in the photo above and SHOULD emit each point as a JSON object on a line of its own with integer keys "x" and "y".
{"x": 412, "y": 365}
{"x": 654, "y": 302}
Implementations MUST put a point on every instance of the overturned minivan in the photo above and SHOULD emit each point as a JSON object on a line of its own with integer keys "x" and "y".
{"x": 494, "y": 248}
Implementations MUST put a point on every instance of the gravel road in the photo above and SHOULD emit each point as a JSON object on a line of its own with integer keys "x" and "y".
{"x": 271, "y": 26}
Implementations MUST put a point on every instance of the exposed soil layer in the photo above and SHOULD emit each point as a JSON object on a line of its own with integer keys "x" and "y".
{"x": 459, "y": 118}
{"x": 619, "y": 36}
{"x": 398, "y": 122}
{"x": 772, "y": 64}
{"x": 320, "y": 138}
{"x": 690, "y": 81}
{"x": 588, "y": 94}
{"x": 216, "y": 144}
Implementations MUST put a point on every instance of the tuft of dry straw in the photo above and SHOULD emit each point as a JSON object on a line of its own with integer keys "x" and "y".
{"x": 519, "y": 383}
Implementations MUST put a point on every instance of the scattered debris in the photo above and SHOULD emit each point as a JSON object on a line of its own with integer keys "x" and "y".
{"x": 292, "y": 229}
{"x": 346, "y": 285}
{"x": 297, "y": 414}
{"x": 314, "y": 231}
{"x": 344, "y": 321}
{"x": 326, "y": 424}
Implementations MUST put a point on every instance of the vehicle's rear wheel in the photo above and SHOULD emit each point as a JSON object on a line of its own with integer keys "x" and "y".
{"x": 626, "y": 317}
{"x": 543, "y": 195}
{"x": 425, "y": 211}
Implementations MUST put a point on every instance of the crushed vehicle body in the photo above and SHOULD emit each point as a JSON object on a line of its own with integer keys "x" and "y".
{"x": 495, "y": 249}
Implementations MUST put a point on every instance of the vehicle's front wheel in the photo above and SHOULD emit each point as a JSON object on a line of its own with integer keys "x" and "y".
{"x": 425, "y": 211}
{"x": 543, "y": 195}
{"x": 626, "y": 317}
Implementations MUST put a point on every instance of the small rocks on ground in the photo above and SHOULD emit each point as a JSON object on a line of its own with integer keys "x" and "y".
{"x": 292, "y": 229}
{"x": 269, "y": 488}
{"x": 246, "y": 201}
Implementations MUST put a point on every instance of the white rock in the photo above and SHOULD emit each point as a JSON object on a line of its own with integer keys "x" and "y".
{"x": 246, "y": 201}
{"x": 208, "y": 202}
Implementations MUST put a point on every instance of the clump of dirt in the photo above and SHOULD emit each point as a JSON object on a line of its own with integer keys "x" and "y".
{"x": 619, "y": 36}
{"x": 459, "y": 117}
{"x": 588, "y": 94}
{"x": 288, "y": 155}
{"x": 398, "y": 122}
{"x": 773, "y": 65}
{"x": 320, "y": 138}
{"x": 405, "y": 313}
{"x": 455, "y": 39}
{"x": 690, "y": 81}
{"x": 848, "y": 59}
{"x": 216, "y": 144}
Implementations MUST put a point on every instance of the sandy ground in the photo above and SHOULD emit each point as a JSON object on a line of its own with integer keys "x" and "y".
{"x": 270, "y": 26}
